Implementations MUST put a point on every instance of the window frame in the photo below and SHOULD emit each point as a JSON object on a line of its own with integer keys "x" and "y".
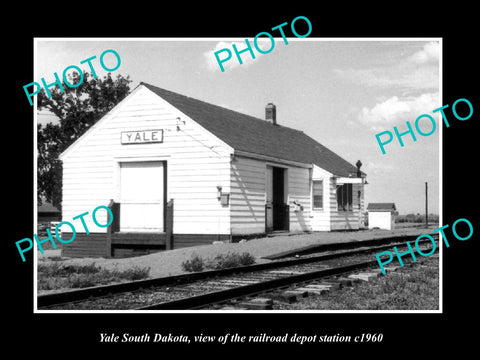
{"x": 344, "y": 206}
{"x": 313, "y": 194}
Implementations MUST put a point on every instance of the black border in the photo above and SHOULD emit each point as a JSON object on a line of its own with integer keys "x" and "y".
{"x": 408, "y": 334}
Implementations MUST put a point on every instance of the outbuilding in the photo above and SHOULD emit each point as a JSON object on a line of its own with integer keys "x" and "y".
{"x": 46, "y": 213}
{"x": 381, "y": 215}
{"x": 176, "y": 171}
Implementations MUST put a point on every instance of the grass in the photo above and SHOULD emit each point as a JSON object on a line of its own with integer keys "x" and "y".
{"x": 56, "y": 275}
{"x": 221, "y": 261}
{"x": 409, "y": 288}
{"x": 195, "y": 264}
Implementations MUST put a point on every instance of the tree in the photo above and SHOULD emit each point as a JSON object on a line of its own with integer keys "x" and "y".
{"x": 77, "y": 109}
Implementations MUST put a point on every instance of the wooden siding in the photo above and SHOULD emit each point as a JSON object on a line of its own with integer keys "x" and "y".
{"x": 196, "y": 163}
{"x": 187, "y": 240}
{"x": 138, "y": 238}
{"x": 247, "y": 196}
{"x": 320, "y": 218}
{"x": 127, "y": 245}
{"x": 91, "y": 245}
{"x": 298, "y": 186}
{"x": 346, "y": 220}
{"x": 362, "y": 214}
{"x": 120, "y": 251}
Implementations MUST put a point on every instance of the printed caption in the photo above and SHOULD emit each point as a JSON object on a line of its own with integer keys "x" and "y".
{"x": 228, "y": 338}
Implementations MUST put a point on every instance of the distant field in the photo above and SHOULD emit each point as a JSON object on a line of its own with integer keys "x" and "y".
{"x": 404, "y": 225}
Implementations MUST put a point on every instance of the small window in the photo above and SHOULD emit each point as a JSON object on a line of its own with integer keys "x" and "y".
{"x": 318, "y": 194}
{"x": 344, "y": 197}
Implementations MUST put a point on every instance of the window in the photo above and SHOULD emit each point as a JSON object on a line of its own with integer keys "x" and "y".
{"x": 344, "y": 197}
{"x": 318, "y": 194}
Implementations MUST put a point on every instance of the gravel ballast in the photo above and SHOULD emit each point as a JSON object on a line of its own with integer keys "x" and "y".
{"x": 167, "y": 263}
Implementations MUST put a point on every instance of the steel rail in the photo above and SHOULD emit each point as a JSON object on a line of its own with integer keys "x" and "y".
{"x": 203, "y": 300}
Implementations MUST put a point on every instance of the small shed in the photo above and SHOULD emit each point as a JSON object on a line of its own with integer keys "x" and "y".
{"x": 381, "y": 215}
{"x": 47, "y": 212}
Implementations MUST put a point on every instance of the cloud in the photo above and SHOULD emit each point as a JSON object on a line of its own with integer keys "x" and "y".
{"x": 212, "y": 63}
{"x": 429, "y": 53}
{"x": 418, "y": 71}
{"x": 395, "y": 110}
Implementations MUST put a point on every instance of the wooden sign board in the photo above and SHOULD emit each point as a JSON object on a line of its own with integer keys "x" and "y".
{"x": 141, "y": 137}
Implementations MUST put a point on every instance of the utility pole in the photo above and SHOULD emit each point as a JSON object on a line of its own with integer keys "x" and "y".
{"x": 426, "y": 204}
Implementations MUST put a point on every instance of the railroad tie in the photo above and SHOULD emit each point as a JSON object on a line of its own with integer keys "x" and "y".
{"x": 391, "y": 268}
{"x": 287, "y": 296}
{"x": 296, "y": 292}
{"x": 316, "y": 289}
{"x": 365, "y": 276}
{"x": 231, "y": 307}
{"x": 334, "y": 284}
{"x": 257, "y": 304}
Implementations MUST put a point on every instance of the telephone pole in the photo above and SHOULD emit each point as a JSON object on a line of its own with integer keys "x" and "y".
{"x": 426, "y": 204}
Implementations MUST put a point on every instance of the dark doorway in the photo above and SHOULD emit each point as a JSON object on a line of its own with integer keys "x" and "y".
{"x": 277, "y": 212}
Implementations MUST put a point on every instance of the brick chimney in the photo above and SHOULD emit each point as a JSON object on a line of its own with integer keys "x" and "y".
{"x": 271, "y": 113}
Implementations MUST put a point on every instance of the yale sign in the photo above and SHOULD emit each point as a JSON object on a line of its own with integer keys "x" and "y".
{"x": 142, "y": 137}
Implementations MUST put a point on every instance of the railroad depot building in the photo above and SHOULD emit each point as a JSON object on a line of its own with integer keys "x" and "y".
{"x": 177, "y": 172}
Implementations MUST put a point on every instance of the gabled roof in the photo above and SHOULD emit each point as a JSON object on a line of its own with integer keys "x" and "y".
{"x": 250, "y": 134}
{"x": 381, "y": 207}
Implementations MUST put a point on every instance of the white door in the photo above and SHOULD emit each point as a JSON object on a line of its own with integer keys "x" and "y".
{"x": 141, "y": 196}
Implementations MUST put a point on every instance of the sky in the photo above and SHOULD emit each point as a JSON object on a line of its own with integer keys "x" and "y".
{"x": 341, "y": 92}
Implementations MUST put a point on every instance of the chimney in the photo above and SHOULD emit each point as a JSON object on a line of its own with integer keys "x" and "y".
{"x": 271, "y": 113}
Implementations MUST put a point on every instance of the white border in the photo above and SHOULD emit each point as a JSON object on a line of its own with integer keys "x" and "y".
{"x": 386, "y": 39}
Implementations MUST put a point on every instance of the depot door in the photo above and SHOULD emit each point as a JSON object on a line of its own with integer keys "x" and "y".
{"x": 142, "y": 196}
{"x": 280, "y": 209}
{"x": 276, "y": 209}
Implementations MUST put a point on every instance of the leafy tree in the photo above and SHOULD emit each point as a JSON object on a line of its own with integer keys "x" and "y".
{"x": 77, "y": 109}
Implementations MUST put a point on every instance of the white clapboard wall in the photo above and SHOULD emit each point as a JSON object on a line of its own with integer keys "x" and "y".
{"x": 196, "y": 163}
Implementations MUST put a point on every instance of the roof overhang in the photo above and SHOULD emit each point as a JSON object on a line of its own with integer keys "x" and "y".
{"x": 270, "y": 159}
{"x": 350, "y": 180}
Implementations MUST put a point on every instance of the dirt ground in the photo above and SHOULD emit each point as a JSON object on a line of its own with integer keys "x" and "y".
{"x": 168, "y": 263}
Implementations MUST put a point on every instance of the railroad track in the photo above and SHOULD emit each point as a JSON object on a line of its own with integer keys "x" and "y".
{"x": 235, "y": 288}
